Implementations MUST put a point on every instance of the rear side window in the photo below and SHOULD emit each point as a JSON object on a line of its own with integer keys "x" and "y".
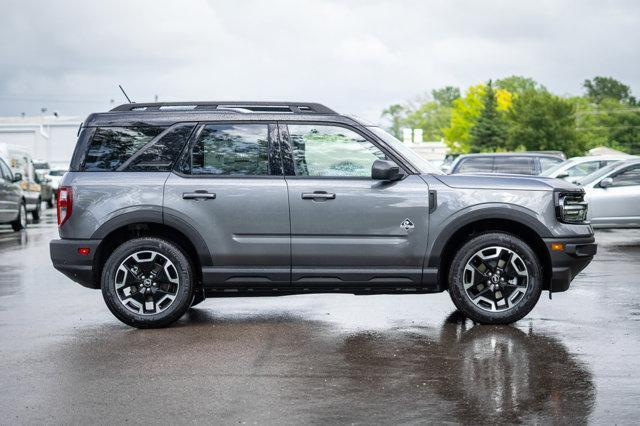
{"x": 231, "y": 149}
{"x": 479, "y": 164}
{"x": 514, "y": 165}
{"x": 161, "y": 154}
{"x": 111, "y": 147}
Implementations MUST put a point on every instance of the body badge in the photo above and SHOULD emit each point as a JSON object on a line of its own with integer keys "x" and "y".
{"x": 407, "y": 224}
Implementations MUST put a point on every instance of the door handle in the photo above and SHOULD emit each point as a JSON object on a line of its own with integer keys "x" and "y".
{"x": 318, "y": 195}
{"x": 198, "y": 195}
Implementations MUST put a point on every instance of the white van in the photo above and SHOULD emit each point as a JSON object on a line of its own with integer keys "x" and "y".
{"x": 20, "y": 161}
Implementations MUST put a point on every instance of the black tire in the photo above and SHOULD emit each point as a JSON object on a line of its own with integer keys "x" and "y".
{"x": 36, "y": 213}
{"x": 50, "y": 202}
{"x": 183, "y": 294}
{"x": 522, "y": 306}
{"x": 20, "y": 222}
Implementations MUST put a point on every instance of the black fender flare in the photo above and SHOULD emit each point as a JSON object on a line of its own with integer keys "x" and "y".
{"x": 511, "y": 213}
{"x": 156, "y": 216}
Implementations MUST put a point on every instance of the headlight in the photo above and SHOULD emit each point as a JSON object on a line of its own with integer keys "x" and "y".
{"x": 571, "y": 207}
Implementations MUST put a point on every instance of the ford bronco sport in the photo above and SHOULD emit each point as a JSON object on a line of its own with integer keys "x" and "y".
{"x": 168, "y": 203}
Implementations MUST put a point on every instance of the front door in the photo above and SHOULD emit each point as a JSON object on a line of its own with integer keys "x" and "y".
{"x": 346, "y": 228}
{"x": 618, "y": 204}
{"x": 229, "y": 188}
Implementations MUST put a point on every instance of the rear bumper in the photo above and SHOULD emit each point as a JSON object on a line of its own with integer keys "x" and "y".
{"x": 567, "y": 263}
{"x": 78, "y": 267}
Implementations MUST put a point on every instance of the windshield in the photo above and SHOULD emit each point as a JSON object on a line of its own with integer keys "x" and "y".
{"x": 586, "y": 180}
{"x": 552, "y": 171}
{"x": 57, "y": 172}
{"x": 415, "y": 159}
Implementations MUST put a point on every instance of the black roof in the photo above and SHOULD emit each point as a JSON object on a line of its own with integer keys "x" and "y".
{"x": 168, "y": 113}
{"x": 242, "y": 107}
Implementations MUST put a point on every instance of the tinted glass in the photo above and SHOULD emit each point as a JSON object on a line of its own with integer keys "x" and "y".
{"x": 629, "y": 177}
{"x": 583, "y": 169}
{"x": 161, "y": 155}
{"x": 477, "y": 164}
{"x": 41, "y": 166}
{"x": 57, "y": 172}
{"x": 546, "y": 163}
{"x": 5, "y": 172}
{"x": 232, "y": 149}
{"x": 320, "y": 150}
{"x": 112, "y": 146}
{"x": 514, "y": 165}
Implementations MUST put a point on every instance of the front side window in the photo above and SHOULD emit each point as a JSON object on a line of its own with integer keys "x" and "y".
{"x": 583, "y": 169}
{"x": 629, "y": 177}
{"x": 514, "y": 165}
{"x": 111, "y": 147}
{"x": 5, "y": 172}
{"x": 331, "y": 151}
{"x": 231, "y": 149}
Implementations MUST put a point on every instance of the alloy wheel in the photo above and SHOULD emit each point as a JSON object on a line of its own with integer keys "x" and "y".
{"x": 147, "y": 282}
{"x": 496, "y": 279}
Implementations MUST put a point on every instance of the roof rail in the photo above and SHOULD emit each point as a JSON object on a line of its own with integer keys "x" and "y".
{"x": 241, "y": 107}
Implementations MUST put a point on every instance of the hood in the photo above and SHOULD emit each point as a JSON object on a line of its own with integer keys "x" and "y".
{"x": 511, "y": 182}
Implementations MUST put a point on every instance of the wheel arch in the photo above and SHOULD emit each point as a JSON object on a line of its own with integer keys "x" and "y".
{"x": 149, "y": 224}
{"x": 457, "y": 232}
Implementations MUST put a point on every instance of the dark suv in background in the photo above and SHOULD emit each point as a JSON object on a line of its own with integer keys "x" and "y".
{"x": 166, "y": 204}
{"x": 507, "y": 163}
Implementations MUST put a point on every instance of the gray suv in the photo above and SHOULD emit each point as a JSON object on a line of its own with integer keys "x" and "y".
{"x": 168, "y": 203}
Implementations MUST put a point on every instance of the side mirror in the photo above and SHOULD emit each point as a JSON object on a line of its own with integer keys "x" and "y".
{"x": 606, "y": 183}
{"x": 17, "y": 177}
{"x": 385, "y": 170}
{"x": 562, "y": 175}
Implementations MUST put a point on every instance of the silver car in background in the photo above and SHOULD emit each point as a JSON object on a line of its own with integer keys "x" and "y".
{"x": 613, "y": 194}
{"x": 578, "y": 167}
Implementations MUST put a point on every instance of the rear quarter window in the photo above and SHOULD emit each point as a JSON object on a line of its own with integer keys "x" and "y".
{"x": 111, "y": 147}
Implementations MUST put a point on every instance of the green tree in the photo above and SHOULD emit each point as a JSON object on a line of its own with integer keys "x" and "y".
{"x": 517, "y": 84}
{"x": 466, "y": 111}
{"x": 489, "y": 132}
{"x": 396, "y": 115}
{"x": 541, "y": 121}
{"x": 601, "y": 88}
{"x": 609, "y": 123}
{"x": 446, "y": 95}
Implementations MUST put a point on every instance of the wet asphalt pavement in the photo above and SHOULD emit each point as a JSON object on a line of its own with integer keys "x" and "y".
{"x": 318, "y": 358}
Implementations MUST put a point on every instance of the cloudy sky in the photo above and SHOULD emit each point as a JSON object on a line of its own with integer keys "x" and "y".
{"x": 356, "y": 56}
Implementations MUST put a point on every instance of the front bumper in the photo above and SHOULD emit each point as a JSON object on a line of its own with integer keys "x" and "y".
{"x": 78, "y": 267}
{"x": 576, "y": 254}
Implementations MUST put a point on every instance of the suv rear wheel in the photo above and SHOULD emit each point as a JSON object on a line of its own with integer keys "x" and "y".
{"x": 147, "y": 283}
{"x": 495, "y": 278}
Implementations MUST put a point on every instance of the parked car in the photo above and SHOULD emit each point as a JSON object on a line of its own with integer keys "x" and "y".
{"x": 13, "y": 208}
{"x": 165, "y": 204}
{"x": 520, "y": 163}
{"x": 55, "y": 176}
{"x": 577, "y": 167}
{"x": 20, "y": 162}
{"x": 613, "y": 194}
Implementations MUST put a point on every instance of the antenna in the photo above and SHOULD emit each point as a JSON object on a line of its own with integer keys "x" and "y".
{"x": 125, "y": 94}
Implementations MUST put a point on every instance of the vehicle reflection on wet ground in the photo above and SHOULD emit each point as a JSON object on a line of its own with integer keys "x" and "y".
{"x": 318, "y": 358}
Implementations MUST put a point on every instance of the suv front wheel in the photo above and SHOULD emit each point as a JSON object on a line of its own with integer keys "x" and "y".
{"x": 495, "y": 278}
{"x": 147, "y": 282}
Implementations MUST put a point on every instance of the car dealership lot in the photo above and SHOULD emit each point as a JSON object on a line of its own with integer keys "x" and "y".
{"x": 317, "y": 358}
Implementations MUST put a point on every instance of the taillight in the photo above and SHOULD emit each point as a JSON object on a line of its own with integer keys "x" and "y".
{"x": 65, "y": 204}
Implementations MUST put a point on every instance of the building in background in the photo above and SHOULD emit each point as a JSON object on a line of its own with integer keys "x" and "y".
{"x": 46, "y": 138}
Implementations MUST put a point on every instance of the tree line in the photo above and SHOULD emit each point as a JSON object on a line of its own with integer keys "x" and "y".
{"x": 517, "y": 114}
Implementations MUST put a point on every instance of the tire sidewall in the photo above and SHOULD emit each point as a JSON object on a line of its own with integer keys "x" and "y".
{"x": 185, "y": 290}
{"x": 522, "y": 249}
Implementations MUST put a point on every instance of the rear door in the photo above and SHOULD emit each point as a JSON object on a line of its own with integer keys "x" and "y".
{"x": 229, "y": 187}
{"x": 346, "y": 228}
